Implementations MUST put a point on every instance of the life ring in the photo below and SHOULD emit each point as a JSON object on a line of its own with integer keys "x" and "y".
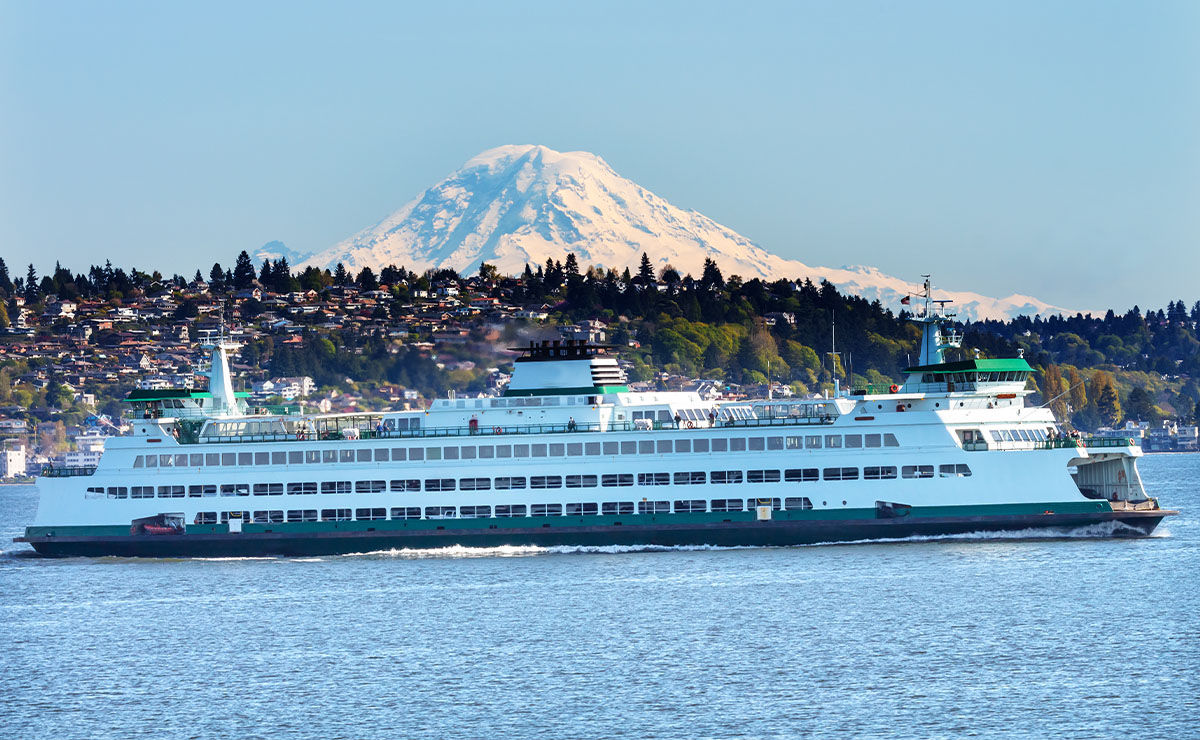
{"x": 691, "y": 425}
{"x": 893, "y": 388}
{"x": 497, "y": 430}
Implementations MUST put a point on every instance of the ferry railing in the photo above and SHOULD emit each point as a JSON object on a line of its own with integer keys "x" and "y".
{"x": 500, "y": 431}
{"x": 1067, "y": 442}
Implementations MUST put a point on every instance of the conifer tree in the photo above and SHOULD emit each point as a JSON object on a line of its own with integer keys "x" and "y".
{"x": 646, "y": 271}
{"x": 1107, "y": 400}
{"x": 6, "y": 286}
{"x": 1078, "y": 391}
{"x": 243, "y": 272}
{"x": 31, "y": 285}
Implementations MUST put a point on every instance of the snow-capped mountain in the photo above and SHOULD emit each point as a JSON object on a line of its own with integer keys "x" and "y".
{"x": 276, "y": 250}
{"x": 517, "y": 205}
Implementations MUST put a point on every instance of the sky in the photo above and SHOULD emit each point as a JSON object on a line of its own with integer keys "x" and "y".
{"x": 1044, "y": 148}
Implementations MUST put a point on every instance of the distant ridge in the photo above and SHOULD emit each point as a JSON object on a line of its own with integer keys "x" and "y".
{"x": 517, "y": 205}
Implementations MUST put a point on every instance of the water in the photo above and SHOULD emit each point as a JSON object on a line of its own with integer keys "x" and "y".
{"x": 1002, "y": 637}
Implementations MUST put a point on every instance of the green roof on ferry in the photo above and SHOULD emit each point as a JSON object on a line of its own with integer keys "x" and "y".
{"x": 168, "y": 394}
{"x": 1009, "y": 365}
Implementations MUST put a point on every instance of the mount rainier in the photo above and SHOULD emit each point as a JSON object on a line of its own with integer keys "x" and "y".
{"x": 517, "y": 205}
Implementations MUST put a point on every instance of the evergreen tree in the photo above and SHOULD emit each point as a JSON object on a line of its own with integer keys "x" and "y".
{"x": 31, "y": 285}
{"x": 4, "y": 322}
{"x": 6, "y": 286}
{"x": 366, "y": 280}
{"x": 1107, "y": 400}
{"x": 711, "y": 278}
{"x": 646, "y": 271}
{"x": 1054, "y": 391}
{"x": 243, "y": 272}
{"x": 1139, "y": 406}
{"x": 216, "y": 276}
{"x": 572, "y": 266}
{"x": 340, "y": 276}
{"x": 197, "y": 278}
{"x": 1078, "y": 391}
{"x": 266, "y": 274}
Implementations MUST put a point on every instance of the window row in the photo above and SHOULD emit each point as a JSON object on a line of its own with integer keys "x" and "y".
{"x": 583, "y": 508}
{"x": 504, "y": 451}
{"x": 538, "y": 482}
{"x": 1019, "y": 435}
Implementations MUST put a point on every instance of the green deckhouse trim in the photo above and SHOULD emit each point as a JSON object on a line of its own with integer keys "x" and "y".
{"x": 589, "y": 389}
{"x": 171, "y": 394}
{"x": 1014, "y": 365}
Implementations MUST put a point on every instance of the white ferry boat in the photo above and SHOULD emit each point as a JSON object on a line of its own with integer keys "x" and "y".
{"x": 570, "y": 456}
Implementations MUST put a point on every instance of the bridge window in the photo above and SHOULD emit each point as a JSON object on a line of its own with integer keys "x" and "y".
{"x": 812, "y": 442}
{"x": 833, "y": 441}
{"x": 889, "y": 440}
{"x": 853, "y": 441}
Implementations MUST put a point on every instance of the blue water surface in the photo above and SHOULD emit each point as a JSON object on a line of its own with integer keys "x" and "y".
{"x": 1001, "y": 636}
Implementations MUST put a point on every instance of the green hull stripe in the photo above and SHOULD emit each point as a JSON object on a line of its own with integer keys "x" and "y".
{"x": 633, "y": 520}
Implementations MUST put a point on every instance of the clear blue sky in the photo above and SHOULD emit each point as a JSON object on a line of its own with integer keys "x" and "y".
{"x": 1049, "y": 148}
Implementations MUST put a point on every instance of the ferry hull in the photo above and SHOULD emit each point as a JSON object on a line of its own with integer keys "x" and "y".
{"x": 773, "y": 533}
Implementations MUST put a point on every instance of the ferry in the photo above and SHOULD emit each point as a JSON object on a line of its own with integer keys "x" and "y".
{"x": 568, "y": 455}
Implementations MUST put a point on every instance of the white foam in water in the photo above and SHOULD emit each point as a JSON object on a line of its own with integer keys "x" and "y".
{"x": 1092, "y": 531}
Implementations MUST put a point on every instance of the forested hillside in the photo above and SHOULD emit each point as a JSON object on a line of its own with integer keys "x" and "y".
{"x": 368, "y": 330}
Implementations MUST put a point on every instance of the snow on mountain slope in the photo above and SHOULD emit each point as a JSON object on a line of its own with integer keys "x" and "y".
{"x": 275, "y": 250}
{"x": 514, "y": 205}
